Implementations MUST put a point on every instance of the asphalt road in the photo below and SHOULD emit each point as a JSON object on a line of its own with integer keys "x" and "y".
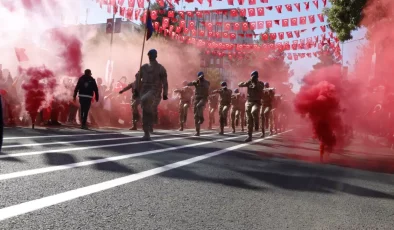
{"x": 97, "y": 179}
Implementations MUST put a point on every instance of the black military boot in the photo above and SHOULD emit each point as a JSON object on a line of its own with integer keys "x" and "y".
{"x": 249, "y": 138}
{"x": 146, "y": 136}
{"x": 181, "y": 128}
{"x": 197, "y": 130}
{"x": 134, "y": 127}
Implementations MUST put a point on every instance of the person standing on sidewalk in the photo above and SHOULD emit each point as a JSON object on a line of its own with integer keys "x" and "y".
{"x": 85, "y": 88}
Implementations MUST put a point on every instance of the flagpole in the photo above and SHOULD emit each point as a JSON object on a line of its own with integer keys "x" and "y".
{"x": 143, "y": 47}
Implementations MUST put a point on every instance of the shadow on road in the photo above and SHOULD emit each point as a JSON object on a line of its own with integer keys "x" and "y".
{"x": 59, "y": 158}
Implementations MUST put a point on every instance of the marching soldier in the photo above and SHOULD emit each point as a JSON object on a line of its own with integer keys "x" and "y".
{"x": 265, "y": 112}
{"x": 254, "y": 90}
{"x": 186, "y": 94}
{"x": 134, "y": 105}
{"x": 275, "y": 112}
{"x": 213, "y": 105}
{"x": 224, "y": 105}
{"x": 151, "y": 81}
{"x": 200, "y": 99}
{"x": 237, "y": 110}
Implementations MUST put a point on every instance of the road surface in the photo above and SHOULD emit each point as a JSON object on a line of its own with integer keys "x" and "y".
{"x": 107, "y": 179}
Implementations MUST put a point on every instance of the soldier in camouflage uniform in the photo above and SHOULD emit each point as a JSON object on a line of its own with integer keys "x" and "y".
{"x": 254, "y": 89}
{"x": 151, "y": 81}
{"x": 213, "y": 101}
{"x": 224, "y": 105}
{"x": 185, "y": 94}
{"x": 200, "y": 99}
{"x": 237, "y": 110}
{"x": 134, "y": 105}
{"x": 265, "y": 112}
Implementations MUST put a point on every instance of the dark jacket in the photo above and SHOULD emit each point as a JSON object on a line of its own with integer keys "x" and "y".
{"x": 85, "y": 87}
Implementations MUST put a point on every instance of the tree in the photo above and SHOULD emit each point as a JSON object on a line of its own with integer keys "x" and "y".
{"x": 345, "y": 16}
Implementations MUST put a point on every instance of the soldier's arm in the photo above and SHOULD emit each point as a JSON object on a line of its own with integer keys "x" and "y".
{"x": 216, "y": 91}
{"x": 193, "y": 83}
{"x": 178, "y": 90}
{"x": 129, "y": 86}
{"x": 164, "y": 81}
{"x": 77, "y": 87}
{"x": 137, "y": 80}
{"x": 244, "y": 84}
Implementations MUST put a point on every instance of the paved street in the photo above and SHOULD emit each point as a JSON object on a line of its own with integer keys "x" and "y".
{"x": 107, "y": 179}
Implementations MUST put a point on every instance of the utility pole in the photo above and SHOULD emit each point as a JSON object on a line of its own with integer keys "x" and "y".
{"x": 110, "y": 62}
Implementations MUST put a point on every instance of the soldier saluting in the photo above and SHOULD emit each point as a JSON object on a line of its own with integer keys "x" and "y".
{"x": 151, "y": 81}
{"x": 200, "y": 99}
{"x": 224, "y": 104}
{"x": 254, "y": 91}
{"x": 185, "y": 94}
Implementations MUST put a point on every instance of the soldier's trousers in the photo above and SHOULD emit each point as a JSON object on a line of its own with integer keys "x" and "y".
{"x": 134, "y": 110}
{"x": 183, "y": 109}
{"x": 266, "y": 118}
{"x": 156, "y": 103}
{"x": 223, "y": 114}
{"x": 252, "y": 114}
{"x": 148, "y": 106}
{"x": 237, "y": 115}
{"x": 211, "y": 116}
{"x": 199, "y": 105}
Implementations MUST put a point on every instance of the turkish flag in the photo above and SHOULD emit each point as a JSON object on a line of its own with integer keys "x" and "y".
{"x": 260, "y": 25}
{"x": 252, "y": 25}
{"x": 294, "y": 21}
{"x": 316, "y": 3}
{"x": 227, "y": 26}
{"x": 285, "y": 22}
{"x": 289, "y": 34}
{"x": 122, "y": 11}
{"x": 129, "y": 13}
{"x": 242, "y": 12}
{"x": 268, "y": 24}
{"x": 297, "y": 33}
{"x": 311, "y": 19}
{"x": 236, "y": 26}
{"x": 260, "y": 11}
{"x": 306, "y": 5}
{"x": 289, "y": 7}
{"x": 233, "y": 13}
{"x": 230, "y": 2}
{"x": 170, "y": 13}
{"x": 281, "y": 35}
{"x": 21, "y": 55}
{"x": 279, "y": 8}
{"x": 298, "y": 6}
{"x": 303, "y": 20}
{"x": 321, "y": 17}
{"x": 252, "y": 12}
{"x": 252, "y": 2}
{"x": 131, "y": 3}
{"x": 245, "y": 26}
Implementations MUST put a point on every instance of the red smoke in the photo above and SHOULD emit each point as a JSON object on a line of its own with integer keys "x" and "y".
{"x": 39, "y": 85}
{"x": 319, "y": 100}
{"x": 71, "y": 53}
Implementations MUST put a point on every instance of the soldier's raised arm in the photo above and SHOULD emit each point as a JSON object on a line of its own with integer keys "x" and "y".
{"x": 216, "y": 91}
{"x": 244, "y": 84}
{"x": 193, "y": 83}
{"x": 164, "y": 82}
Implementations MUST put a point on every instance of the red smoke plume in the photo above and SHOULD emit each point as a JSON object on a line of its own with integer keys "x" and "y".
{"x": 39, "y": 86}
{"x": 319, "y": 100}
{"x": 71, "y": 53}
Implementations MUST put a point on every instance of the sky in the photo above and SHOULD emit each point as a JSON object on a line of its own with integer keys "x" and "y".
{"x": 301, "y": 67}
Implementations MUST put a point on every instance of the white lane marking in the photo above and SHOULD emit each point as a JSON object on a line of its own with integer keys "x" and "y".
{"x": 67, "y": 135}
{"x": 48, "y": 201}
{"x": 99, "y": 161}
{"x": 82, "y": 141}
{"x": 90, "y": 147}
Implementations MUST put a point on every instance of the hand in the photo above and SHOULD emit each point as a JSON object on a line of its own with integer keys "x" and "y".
{"x": 165, "y": 97}
{"x": 120, "y": 92}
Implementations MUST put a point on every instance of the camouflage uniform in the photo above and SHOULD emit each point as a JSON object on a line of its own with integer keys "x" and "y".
{"x": 254, "y": 92}
{"x": 224, "y": 106}
{"x": 153, "y": 81}
{"x": 237, "y": 111}
{"x": 213, "y": 105}
{"x": 134, "y": 105}
{"x": 275, "y": 112}
{"x": 186, "y": 94}
{"x": 200, "y": 99}
{"x": 265, "y": 112}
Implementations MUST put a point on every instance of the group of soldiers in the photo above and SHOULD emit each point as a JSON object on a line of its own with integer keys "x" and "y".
{"x": 260, "y": 104}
